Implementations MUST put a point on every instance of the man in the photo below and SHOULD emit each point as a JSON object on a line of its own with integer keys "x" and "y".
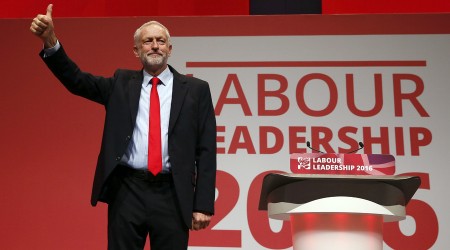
{"x": 158, "y": 178}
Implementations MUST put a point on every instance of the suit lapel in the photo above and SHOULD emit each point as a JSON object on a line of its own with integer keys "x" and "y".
{"x": 134, "y": 92}
{"x": 178, "y": 93}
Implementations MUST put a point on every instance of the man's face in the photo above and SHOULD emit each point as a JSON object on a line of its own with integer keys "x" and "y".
{"x": 153, "y": 48}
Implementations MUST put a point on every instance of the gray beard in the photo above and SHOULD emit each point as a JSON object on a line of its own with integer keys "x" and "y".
{"x": 150, "y": 61}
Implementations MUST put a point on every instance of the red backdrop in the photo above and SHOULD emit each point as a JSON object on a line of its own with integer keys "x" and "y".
{"x": 105, "y": 8}
{"x": 111, "y": 8}
{"x": 384, "y": 6}
{"x": 51, "y": 138}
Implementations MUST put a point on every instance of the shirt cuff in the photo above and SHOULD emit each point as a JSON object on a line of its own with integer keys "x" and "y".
{"x": 50, "y": 51}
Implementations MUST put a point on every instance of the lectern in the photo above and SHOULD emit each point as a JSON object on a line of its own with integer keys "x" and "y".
{"x": 332, "y": 211}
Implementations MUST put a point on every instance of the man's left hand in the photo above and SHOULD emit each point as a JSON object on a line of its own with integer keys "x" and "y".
{"x": 200, "y": 221}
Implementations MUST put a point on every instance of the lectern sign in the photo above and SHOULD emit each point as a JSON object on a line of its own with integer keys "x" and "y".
{"x": 342, "y": 164}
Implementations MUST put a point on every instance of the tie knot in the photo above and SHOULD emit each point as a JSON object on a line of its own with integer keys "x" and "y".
{"x": 155, "y": 81}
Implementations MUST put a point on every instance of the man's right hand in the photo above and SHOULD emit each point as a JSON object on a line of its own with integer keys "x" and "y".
{"x": 42, "y": 27}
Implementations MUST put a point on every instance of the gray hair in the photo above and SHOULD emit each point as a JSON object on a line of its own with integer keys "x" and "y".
{"x": 137, "y": 33}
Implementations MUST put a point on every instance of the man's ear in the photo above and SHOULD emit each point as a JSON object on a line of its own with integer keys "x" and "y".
{"x": 135, "y": 51}
{"x": 170, "y": 50}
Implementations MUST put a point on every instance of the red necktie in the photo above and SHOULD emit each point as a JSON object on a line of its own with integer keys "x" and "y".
{"x": 154, "y": 138}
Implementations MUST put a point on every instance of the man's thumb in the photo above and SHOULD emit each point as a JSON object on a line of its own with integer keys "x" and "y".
{"x": 49, "y": 10}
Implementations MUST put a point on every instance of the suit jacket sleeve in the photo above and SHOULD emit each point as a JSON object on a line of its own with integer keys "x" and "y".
{"x": 206, "y": 152}
{"x": 94, "y": 88}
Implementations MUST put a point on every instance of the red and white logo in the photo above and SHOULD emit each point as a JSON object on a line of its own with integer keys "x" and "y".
{"x": 304, "y": 162}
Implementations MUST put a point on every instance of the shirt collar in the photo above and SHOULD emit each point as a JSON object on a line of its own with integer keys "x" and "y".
{"x": 164, "y": 76}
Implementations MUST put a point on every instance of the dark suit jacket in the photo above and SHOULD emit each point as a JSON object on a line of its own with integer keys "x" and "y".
{"x": 192, "y": 129}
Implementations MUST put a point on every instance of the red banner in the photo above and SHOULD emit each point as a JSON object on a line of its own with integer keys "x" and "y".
{"x": 342, "y": 164}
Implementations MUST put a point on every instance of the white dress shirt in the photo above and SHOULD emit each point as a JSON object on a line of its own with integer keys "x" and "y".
{"x": 136, "y": 155}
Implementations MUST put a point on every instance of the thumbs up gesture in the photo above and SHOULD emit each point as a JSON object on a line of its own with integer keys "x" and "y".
{"x": 42, "y": 27}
